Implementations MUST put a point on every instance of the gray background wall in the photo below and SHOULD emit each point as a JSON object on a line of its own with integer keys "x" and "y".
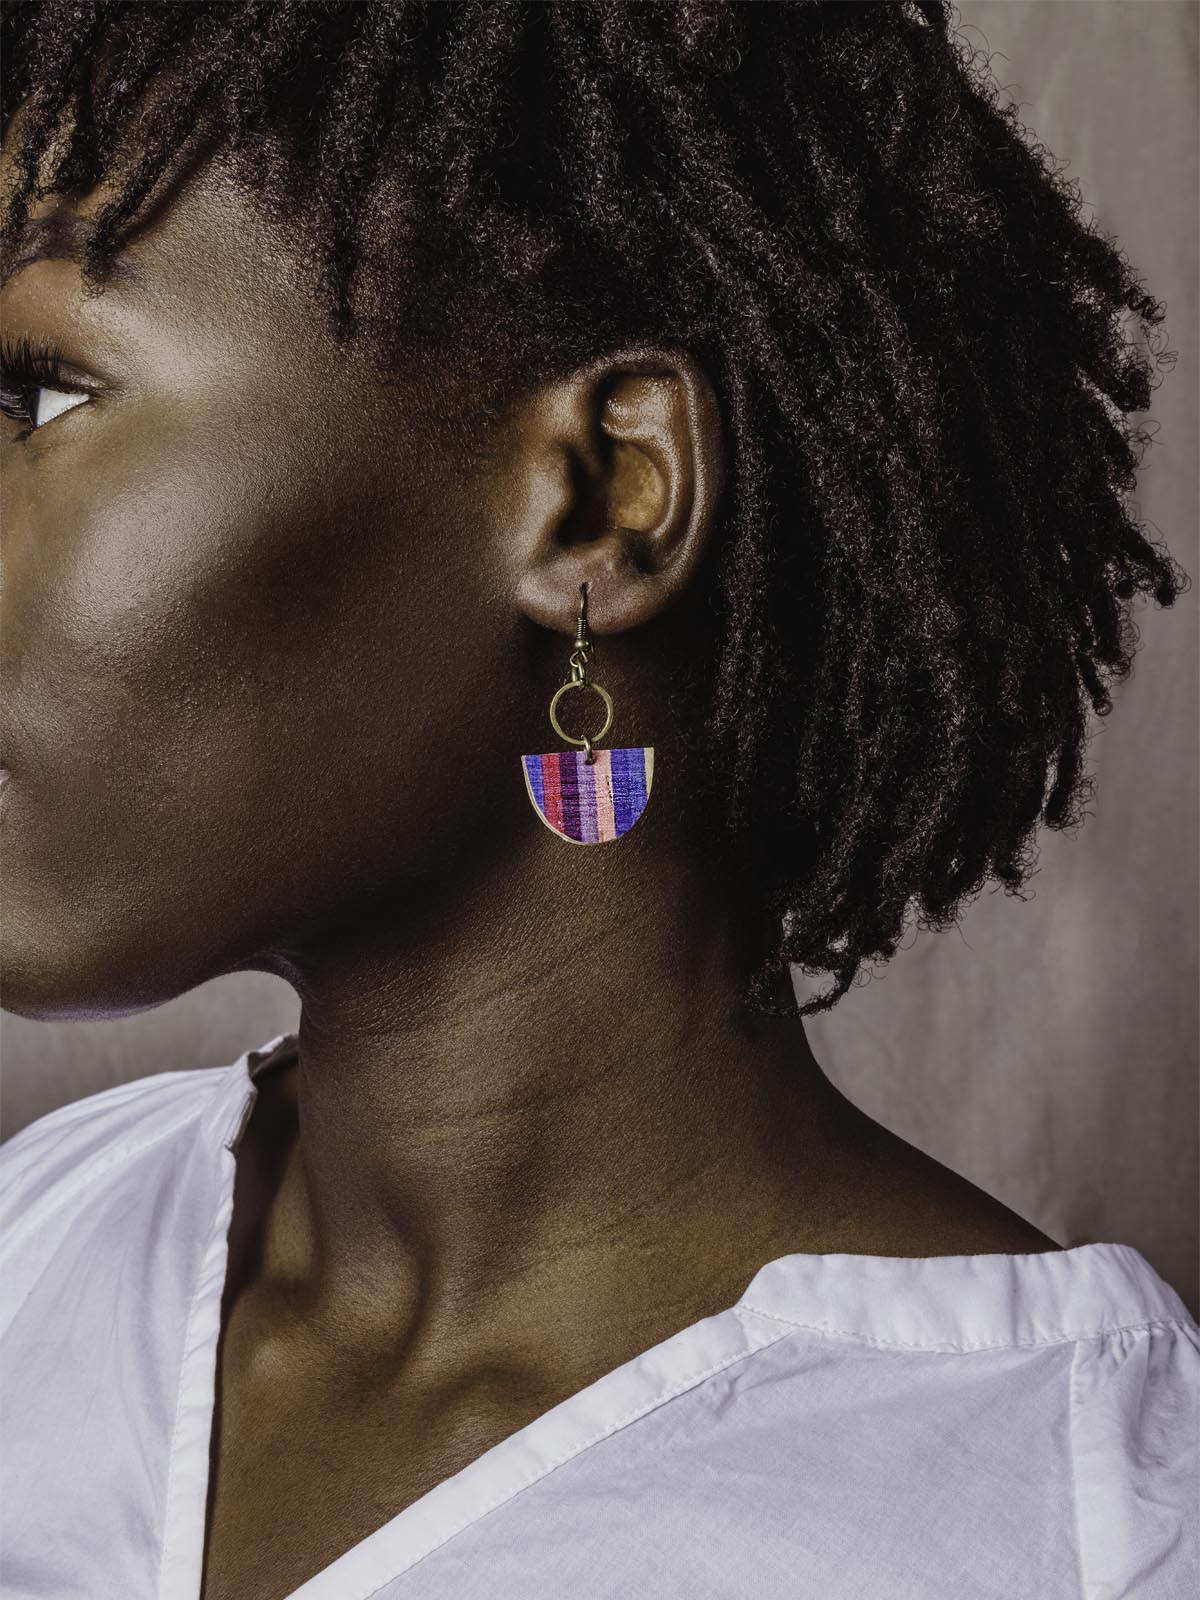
{"x": 1046, "y": 1049}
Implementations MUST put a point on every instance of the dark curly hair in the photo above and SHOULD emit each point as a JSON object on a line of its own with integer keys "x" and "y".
{"x": 916, "y": 337}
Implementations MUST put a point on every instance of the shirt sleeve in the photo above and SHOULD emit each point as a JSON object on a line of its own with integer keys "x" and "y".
{"x": 51, "y": 1169}
{"x": 1135, "y": 1446}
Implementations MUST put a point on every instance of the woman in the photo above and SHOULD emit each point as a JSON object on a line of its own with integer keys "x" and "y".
{"x": 374, "y": 372}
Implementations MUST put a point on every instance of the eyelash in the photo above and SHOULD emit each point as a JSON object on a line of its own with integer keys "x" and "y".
{"x": 25, "y": 365}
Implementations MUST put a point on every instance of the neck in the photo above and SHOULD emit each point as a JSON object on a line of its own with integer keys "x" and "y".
{"x": 549, "y": 1103}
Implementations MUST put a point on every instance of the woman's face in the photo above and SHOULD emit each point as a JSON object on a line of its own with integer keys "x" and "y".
{"x": 258, "y": 640}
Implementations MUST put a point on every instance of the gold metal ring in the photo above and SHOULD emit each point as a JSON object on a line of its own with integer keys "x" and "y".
{"x": 592, "y": 738}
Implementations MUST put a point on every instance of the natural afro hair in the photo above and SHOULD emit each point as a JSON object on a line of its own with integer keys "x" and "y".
{"x": 918, "y": 342}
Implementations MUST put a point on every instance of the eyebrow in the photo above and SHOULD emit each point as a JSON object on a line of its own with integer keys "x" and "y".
{"x": 63, "y": 236}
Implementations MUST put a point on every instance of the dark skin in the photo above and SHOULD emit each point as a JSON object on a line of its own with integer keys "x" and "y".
{"x": 271, "y": 665}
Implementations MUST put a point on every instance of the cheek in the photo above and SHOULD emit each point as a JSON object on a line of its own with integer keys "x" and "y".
{"x": 245, "y": 690}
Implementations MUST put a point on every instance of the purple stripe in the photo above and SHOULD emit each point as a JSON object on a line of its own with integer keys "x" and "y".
{"x": 588, "y": 823}
{"x": 568, "y": 777}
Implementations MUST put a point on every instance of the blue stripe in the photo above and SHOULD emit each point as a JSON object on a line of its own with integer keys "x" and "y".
{"x": 629, "y": 787}
{"x": 637, "y": 784}
{"x": 533, "y": 766}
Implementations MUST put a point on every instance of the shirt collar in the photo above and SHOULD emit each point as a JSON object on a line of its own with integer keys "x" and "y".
{"x": 971, "y": 1302}
{"x": 952, "y": 1303}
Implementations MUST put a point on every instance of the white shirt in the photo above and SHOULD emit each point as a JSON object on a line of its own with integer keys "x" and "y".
{"x": 980, "y": 1427}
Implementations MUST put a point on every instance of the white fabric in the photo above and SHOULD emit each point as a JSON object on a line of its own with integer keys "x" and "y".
{"x": 988, "y": 1427}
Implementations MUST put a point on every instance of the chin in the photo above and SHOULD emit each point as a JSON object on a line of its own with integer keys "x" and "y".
{"x": 47, "y": 982}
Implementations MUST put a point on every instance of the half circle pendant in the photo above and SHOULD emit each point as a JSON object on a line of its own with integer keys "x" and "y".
{"x": 590, "y": 804}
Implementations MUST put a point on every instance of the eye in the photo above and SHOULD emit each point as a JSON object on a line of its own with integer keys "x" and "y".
{"x": 33, "y": 386}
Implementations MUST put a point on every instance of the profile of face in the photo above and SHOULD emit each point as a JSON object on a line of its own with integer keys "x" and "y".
{"x": 274, "y": 636}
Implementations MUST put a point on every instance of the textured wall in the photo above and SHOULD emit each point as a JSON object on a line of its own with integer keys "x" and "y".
{"x": 1047, "y": 1050}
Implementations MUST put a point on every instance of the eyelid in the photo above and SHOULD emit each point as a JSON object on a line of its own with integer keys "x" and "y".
{"x": 42, "y": 357}
{"x": 29, "y": 365}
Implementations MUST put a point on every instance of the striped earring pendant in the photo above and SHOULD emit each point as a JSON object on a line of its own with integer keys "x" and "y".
{"x": 590, "y": 804}
{"x": 588, "y": 796}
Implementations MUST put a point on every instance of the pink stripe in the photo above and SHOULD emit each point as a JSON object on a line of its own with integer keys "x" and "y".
{"x": 552, "y": 790}
{"x": 606, "y": 818}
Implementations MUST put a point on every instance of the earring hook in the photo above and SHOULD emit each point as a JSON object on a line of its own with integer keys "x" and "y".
{"x": 583, "y": 643}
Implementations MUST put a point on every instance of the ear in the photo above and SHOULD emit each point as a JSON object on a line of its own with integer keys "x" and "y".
{"x": 619, "y": 471}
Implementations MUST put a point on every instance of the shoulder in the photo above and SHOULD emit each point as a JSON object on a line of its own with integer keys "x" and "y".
{"x": 910, "y": 1204}
{"x": 72, "y": 1151}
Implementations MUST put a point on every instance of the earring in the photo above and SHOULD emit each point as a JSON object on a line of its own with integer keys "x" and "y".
{"x": 588, "y": 796}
